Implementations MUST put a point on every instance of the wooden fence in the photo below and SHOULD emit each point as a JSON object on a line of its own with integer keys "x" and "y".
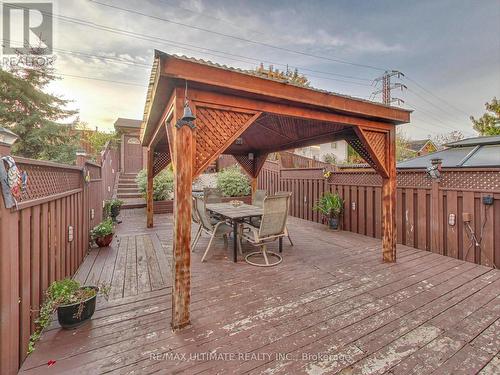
{"x": 45, "y": 239}
{"x": 429, "y": 213}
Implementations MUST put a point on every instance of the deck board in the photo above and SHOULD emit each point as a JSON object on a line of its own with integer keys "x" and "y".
{"x": 331, "y": 306}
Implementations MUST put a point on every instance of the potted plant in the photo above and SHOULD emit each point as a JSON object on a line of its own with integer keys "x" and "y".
{"x": 102, "y": 233}
{"x": 112, "y": 208}
{"x": 75, "y": 304}
{"x": 331, "y": 206}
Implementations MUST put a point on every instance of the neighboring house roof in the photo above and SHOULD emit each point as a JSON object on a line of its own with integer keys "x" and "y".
{"x": 471, "y": 152}
{"x": 418, "y": 145}
{"x": 488, "y": 140}
{"x": 127, "y": 123}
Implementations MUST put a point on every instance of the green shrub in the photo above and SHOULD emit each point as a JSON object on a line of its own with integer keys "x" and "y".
{"x": 233, "y": 182}
{"x": 163, "y": 184}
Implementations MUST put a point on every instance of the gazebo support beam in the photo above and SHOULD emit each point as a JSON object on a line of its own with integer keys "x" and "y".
{"x": 389, "y": 201}
{"x": 253, "y": 184}
{"x": 149, "y": 189}
{"x": 183, "y": 179}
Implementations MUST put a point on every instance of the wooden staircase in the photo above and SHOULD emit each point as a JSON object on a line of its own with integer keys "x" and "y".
{"x": 128, "y": 192}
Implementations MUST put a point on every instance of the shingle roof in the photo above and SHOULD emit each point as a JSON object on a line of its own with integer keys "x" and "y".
{"x": 417, "y": 145}
{"x": 127, "y": 123}
{"x": 264, "y": 76}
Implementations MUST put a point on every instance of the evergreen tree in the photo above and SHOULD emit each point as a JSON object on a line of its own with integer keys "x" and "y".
{"x": 35, "y": 115}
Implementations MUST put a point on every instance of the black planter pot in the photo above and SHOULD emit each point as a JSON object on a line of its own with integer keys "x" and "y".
{"x": 67, "y": 315}
{"x": 333, "y": 223}
{"x": 114, "y": 212}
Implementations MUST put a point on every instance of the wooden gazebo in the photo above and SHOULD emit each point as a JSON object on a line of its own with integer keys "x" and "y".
{"x": 249, "y": 116}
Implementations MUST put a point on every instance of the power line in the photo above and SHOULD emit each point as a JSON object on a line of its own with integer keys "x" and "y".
{"x": 436, "y": 96}
{"x": 239, "y": 38}
{"x": 435, "y": 119}
{"x": 101, "y": 79}
{"x": 441, "y": 110}
{"x": 190, "y": 47}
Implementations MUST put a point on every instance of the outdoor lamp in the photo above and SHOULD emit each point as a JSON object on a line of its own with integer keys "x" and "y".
{"x": 7, "y": 138}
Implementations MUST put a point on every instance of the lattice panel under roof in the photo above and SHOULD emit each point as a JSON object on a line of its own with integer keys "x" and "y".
{"x": 252, "y": 167}
{"x": 161, "y": 161}
{"x": 359, "y": 147}
{"x": 214, "y": 129}
{"x": 377, "y": 143}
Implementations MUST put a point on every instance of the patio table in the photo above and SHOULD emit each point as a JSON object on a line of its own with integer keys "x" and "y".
{"x": 236, "y": 215}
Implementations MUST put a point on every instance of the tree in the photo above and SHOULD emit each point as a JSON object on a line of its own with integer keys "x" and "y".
{"x": 291, "y": 76}
{"x": 35, "y": 115}
{"x": 441, "y": 139}
{"x": 489, "y": 123}
{"x": 403, "y": 150}
{"x": 95, "y": 140}
{"x": 330, "y": 158}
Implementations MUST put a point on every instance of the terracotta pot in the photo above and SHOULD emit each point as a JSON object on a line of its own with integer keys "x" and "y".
{"x": 104, "y": 241}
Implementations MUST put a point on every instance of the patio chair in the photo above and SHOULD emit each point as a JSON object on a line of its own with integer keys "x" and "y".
{"x": 212, "y": 195}
{"x": 196, "y": 219}
{"x": 272, "y": 227}
{"x": 207, "y": 226}
{"x": 258, "y": 198}
{"x": 289, "y": 193}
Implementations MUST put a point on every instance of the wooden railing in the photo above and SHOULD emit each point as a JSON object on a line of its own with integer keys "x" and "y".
{"x": 429, "y": 212}
{"x": 45, "y": 239}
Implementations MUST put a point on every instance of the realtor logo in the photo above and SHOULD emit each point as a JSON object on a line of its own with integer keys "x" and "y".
{"x": 26, "y": 26}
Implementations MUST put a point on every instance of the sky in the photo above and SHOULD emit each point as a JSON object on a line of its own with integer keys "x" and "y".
{"x": 449, "y": 51}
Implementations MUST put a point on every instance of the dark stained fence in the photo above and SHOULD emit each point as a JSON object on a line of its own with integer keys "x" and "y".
{"x": 37, "y": 246}
{"x": 290, "y": 160}
{"x": 429, "y": 213}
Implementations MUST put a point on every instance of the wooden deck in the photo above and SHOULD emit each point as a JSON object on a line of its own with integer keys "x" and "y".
{"x": 331, "y": 306}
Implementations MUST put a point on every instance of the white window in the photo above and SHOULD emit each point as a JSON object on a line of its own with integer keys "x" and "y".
{"x": 333, "y": 145}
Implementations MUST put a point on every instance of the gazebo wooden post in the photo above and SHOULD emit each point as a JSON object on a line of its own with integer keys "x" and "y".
{"x": 253, "y": 184}
{"x": 149, "y": 189}
{"x": 183, "y": 179}
{"x": 389, "y": 201}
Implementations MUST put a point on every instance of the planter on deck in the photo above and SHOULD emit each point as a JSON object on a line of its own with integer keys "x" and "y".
{"x": 72, "y": 316}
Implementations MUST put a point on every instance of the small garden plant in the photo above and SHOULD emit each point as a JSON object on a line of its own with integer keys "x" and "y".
{"x": 331, "y": 206}
{"x": 163, "y": 184}
{"x": 60, "y": 293}
{"x": 105, "y": 228}
{"x": 112, "y": 208}
{"x": 233, "y": 182}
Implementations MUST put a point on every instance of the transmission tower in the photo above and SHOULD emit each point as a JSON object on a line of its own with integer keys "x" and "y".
{"x": 387, "y": 87}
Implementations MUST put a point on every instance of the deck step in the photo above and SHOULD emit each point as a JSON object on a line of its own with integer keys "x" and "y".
{"x": 130, "y": 203}
{"x": 122, "y": 189}
{"x": 127, "y": 186}
{"x": 129, "y": 195}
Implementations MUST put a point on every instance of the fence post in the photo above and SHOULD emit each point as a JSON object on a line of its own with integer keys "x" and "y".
{"x": 9, "y": 278}
{"x": 436, "y": 230}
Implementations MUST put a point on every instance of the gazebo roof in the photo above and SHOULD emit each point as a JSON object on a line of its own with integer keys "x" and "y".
{"x": 169, "y": 71}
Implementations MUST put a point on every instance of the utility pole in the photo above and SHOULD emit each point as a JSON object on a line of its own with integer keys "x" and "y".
{"x": 387, "y": 87}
